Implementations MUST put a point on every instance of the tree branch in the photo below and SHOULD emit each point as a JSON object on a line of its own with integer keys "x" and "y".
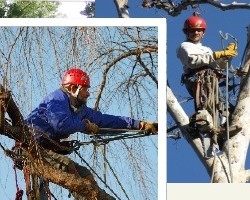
{"x": 122, "y": 8}
{"x": 82, "y": 186}
{"x": 176, "y": 9}
{"x": 38, "y": 165}
{"x": 114, "y": 61}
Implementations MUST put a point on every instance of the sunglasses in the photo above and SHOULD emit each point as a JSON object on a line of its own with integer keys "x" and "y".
{"x": 195, "y": 30}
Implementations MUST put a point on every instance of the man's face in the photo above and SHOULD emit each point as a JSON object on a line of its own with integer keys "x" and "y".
{"x": 195, "y": 35}
{"x": 83, "y": 94}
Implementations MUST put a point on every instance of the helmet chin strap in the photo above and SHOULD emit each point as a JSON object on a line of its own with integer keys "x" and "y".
{"x": 75, "y": 94}
{"x": 75, "y": 103}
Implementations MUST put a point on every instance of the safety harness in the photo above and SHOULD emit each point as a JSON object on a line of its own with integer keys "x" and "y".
{"x": 207, "y": 106}
{"x": 212, "y": 109}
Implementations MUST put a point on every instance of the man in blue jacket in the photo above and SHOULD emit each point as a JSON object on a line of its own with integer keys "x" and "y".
{"x": 64, "y": 112}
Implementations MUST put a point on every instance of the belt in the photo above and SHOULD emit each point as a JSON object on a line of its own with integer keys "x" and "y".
{"x": 194, "y": 71}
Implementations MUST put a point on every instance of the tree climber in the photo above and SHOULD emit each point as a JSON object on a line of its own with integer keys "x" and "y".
{"x": 65, "y": 112}
{"x": 202, "y": 69}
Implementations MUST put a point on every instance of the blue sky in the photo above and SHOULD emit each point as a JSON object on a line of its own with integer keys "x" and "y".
{"x": 183, "y": 165}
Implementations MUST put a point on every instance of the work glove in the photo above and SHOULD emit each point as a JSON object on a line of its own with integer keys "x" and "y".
{"x": 91, "y": 127}
{"x": 229, "y": 52}
{"x": 149, "y": 127}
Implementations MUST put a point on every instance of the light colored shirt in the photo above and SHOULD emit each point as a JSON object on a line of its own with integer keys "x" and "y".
{"x": 195, "y": 56}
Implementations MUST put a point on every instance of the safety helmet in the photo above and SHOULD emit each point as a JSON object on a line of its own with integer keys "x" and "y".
{"x": 194, "y": 22}
{"x": 76, "y": 76}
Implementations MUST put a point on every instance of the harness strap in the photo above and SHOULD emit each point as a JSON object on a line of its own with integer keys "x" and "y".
{"x": 200, "y": 93}
{"x": 203, "y": 92}
{"x": 197, "y": 95}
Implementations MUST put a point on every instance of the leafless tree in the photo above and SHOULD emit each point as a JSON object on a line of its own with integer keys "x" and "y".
{"x": 122, "y": 64}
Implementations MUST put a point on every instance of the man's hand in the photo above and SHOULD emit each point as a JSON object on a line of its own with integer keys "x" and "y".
{"x": 229, "y": 52}
{"x": 91, "y": 127}
{"x": 149, "y": 126}
{"x": 232, "y": 46}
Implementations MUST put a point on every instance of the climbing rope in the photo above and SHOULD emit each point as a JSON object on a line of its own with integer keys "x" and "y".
{"x": 116, "y": 177}
{"x": 9, "y": 153}
{"x": 227, "y": 127}
{"x": 19, "y": 192}
{"x": 97, "y": 139}
{"x": 105, "y": 138}
{"x": 94, "y": 172}
{"x": 217, "y": 153}
{"x": 101, "y": 139}
{"x": 225, "y": 37}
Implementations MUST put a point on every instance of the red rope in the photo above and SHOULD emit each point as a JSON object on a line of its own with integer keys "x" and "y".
{"x": 19, "y": 192}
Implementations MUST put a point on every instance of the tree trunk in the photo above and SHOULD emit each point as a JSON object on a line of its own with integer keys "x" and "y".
{"x": 122, "y": 8}
{"x": 218, "y": 167}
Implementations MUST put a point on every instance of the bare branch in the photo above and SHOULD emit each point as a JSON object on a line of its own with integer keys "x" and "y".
{"x": 147, "y": 70}
{"x": 175, "y": 9}
{"x": 172, "y": 128}
{"x": 136, "y": 52}
{"x": 175, "y": 136}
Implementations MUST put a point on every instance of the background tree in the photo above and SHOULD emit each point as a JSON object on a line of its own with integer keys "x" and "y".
{"x": 122, "y": 64}
{"x": 28, "y": 9}
{"x": 89, "y": 10}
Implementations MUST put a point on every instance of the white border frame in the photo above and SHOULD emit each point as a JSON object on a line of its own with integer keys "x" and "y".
{"x": 162, "y": 60}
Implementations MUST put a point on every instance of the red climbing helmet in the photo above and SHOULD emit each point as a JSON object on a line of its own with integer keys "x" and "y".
{"x": 76, "y": 77}
{"x": 194, "y": 22}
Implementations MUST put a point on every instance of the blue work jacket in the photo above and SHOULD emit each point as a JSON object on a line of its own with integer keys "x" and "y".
{"x": 55, "y": 117}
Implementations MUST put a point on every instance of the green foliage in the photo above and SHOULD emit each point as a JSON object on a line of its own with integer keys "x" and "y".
{"x": 28, "y": 9}
{"x": 2, "y": 9}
